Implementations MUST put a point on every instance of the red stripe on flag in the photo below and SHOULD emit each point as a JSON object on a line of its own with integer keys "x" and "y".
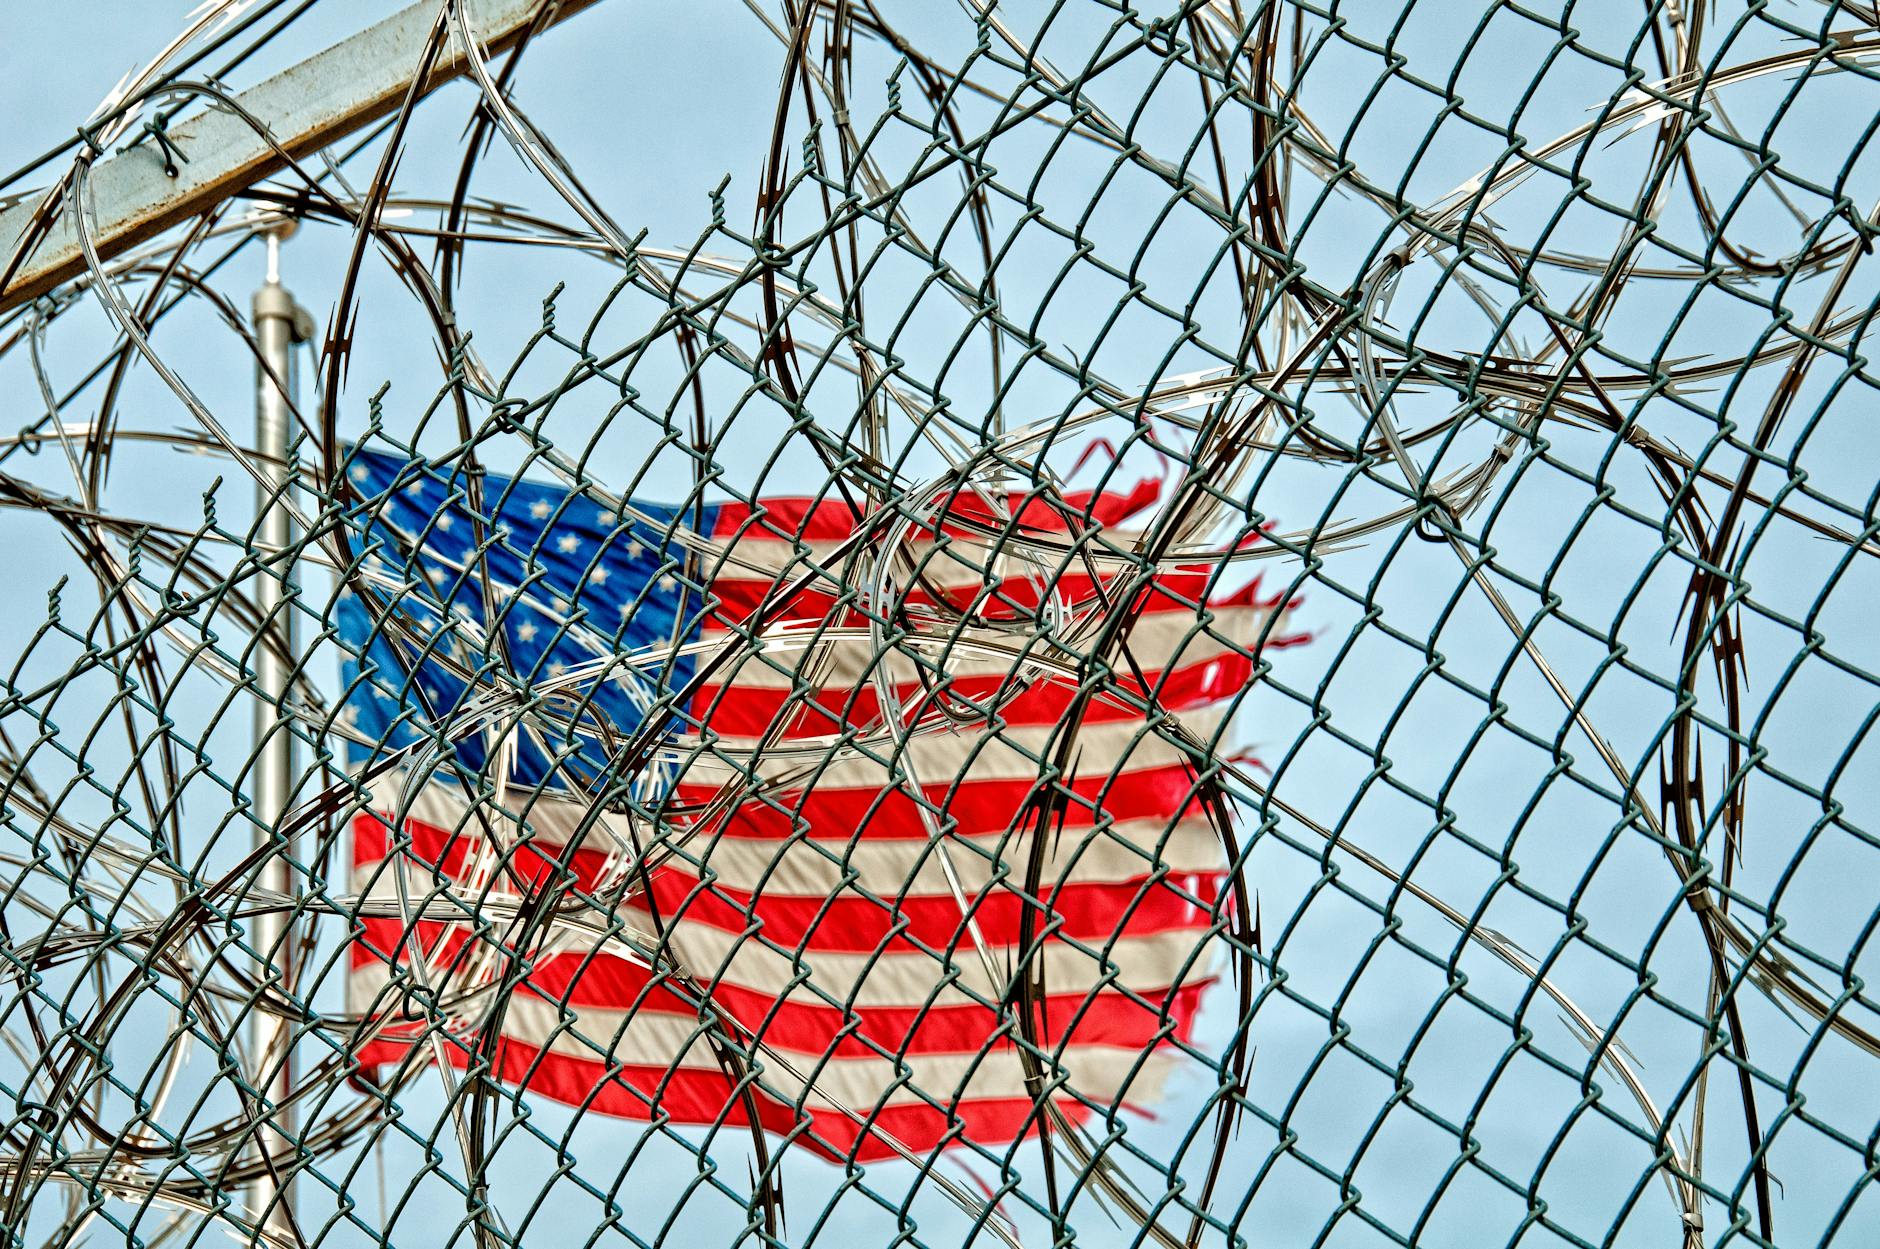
{"x": 1090, "y": 912}
{"x": 1019, "y": 590}
{"x": 963, "y": 807}
{"x": 745, "y": 710}
{"x": 831, "y": 520}
{"x": 792, "y": 1024}
{"x": 692, "y": 1096}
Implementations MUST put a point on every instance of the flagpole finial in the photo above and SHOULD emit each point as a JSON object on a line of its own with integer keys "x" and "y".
{"x": 274, "y": 226}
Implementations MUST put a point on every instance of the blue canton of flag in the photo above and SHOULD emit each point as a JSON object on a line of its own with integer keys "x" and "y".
{"x": 577, "y": 590}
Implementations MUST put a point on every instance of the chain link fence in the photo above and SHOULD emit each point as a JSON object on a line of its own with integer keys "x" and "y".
{"x": 882, "y": 623}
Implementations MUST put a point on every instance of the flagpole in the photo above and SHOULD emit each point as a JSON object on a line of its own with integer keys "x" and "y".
{"x": 279, "y": 325}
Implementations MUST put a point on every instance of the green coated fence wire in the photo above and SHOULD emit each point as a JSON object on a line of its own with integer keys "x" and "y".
{"x": 864, "y": 622}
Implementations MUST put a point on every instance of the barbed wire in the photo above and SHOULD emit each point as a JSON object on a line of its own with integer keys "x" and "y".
{"x": 1429, "y": 440}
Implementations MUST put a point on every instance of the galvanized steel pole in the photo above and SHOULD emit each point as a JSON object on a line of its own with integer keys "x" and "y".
{"x": 279, "y": 325}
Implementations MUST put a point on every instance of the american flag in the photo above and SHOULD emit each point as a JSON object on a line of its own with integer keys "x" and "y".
{"x": 812, "y": 896}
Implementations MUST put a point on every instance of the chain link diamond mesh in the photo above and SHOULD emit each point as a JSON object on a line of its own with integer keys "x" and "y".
{"x": 1516, "y": 352}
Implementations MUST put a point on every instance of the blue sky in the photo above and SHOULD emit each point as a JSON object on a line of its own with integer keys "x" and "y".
{"x": 654, "y": 103}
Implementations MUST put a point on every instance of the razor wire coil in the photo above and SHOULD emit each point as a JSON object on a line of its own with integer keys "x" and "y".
{"x": 1502, "y": 364}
